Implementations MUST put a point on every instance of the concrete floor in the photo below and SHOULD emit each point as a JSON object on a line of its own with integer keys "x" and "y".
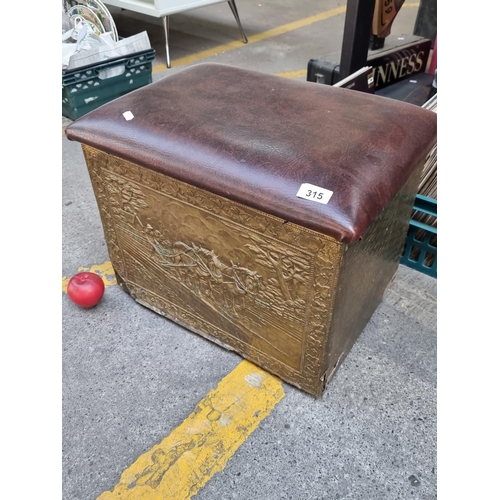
{"x": 130, "y": 377}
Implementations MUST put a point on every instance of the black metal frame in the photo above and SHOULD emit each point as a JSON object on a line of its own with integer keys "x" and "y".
{"x": 357, "y": 34}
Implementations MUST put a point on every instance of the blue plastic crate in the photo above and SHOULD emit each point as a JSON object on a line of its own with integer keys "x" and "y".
{"x": 420, "y": 250}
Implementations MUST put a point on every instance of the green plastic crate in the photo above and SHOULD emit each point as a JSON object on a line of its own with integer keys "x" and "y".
{"x": 420, "y": 250}
{"x": 85, "y": 89}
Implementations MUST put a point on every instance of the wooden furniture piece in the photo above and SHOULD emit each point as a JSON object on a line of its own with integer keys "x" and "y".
{"x": 165, "y": 8}
{"x": 268, "y": 215}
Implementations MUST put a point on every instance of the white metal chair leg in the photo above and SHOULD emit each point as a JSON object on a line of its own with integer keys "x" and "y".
{"x": 165, "y": 28}
{"x": 232, "y": 5}
{"x": 234, "y": 10}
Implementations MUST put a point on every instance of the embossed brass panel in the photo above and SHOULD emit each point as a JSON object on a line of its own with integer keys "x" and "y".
{"x": 243, "y": 278}
{"x": 290, "y": 299}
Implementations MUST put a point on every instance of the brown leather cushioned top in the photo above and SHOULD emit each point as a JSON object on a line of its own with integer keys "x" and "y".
{"x": 255, "y": 138}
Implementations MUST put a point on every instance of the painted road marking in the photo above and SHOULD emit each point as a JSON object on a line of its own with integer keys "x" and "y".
{"x": 258, "y": 37}
{"x": 105, "y": 271}
{"x": 293, "y": 74}
{"x": 178, "y": 467}
{"x": 184, "y": 461}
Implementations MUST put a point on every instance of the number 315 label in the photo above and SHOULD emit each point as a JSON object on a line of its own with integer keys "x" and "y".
{"x": 314, "y": 193}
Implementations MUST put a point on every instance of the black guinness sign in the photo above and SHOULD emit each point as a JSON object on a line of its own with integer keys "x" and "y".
{"x": 391, "y": 66}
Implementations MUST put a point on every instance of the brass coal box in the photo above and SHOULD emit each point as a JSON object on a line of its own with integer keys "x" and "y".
{"x": 265, "y": 214}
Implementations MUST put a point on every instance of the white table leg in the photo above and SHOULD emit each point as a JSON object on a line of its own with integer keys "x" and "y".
{"x": 232, "y": 5}
{"x": 165, "y": 28}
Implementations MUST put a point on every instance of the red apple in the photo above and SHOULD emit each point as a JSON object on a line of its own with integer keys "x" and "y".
{"x": 85, "y": 289}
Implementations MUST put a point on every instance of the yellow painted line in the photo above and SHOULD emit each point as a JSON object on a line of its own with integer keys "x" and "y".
{"x": 105, "y": 271}
{"x": 258, "y": 37}
{"x": 178, "y": 467}
{"x": 158, "y": 68}
{"x": 65, "y": 125}
{"x": 293, "y": 74}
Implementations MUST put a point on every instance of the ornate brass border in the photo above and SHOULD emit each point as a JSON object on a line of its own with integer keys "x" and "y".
{"x": 258, "y": 228}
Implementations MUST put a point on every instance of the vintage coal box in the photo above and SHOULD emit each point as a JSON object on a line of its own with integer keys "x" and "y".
{"x": 265, "y": 214}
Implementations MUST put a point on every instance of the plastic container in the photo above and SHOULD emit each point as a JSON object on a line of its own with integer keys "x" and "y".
{"x": 88, "y": 87}
{"x": 420, "y": 250}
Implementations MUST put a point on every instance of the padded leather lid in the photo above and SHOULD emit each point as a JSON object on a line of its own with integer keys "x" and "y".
{"x": 256, "y": 138}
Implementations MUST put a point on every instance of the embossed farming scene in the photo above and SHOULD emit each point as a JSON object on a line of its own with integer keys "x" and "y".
{"x": 201, "y": 253}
